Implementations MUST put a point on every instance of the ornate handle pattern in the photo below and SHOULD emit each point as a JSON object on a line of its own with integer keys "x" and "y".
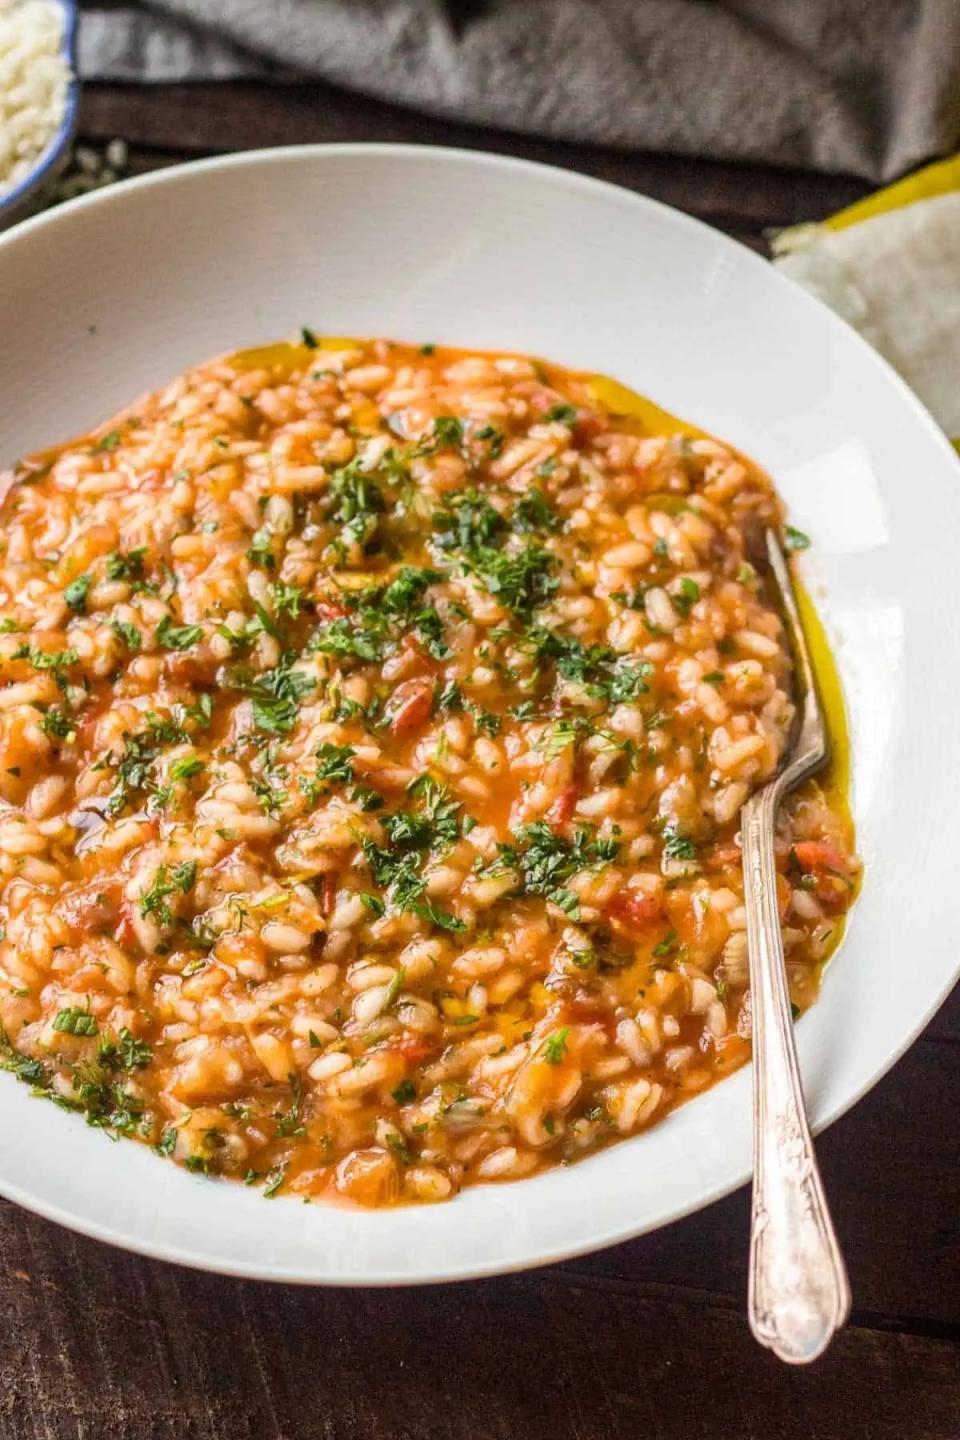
{"x": 799, "y": 1295}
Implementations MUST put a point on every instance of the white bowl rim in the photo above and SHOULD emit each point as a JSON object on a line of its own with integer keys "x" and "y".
{"x": 575, "y": 181}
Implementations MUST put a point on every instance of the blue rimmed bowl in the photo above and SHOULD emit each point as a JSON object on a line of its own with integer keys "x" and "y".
{"x": 23, "y": 198}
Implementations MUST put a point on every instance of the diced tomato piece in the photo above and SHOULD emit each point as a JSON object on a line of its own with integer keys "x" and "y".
{"x": 828, "y": 869}
{"x": 126, "y": 934}
{"x": 330, "y": 610}
{"x": 543, "y": 400}
{"x": 415, "y": 1048}
{"x": 820, "y": 855}
{"x": 87, "y": 728}
{"x": 585, "y": 423}
{"x": 192, "y": 669}
{"x": 95, "y": 905}
{"x": 416, "y": 644}
{"x": 563, "y": 807}
{"x": 723, "y": 857}
{"x": 410, "y": 705}
{"x": 582, "y": 1008}
{"x": 329, "y": 894}
{"x": 784, "y": 896}
{"x": 588, "y": 425}
{"x": 635, "y": 910}
{"x": 833, "y": 892}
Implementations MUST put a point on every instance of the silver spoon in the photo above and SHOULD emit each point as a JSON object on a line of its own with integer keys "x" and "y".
{"x": 799, "y": 1295}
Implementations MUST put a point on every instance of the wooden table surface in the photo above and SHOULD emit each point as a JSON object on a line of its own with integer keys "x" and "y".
{"x": 647, "y": 1341}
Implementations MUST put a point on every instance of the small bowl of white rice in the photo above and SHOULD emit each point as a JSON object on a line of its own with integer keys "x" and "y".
{"x": 39, "y": 93}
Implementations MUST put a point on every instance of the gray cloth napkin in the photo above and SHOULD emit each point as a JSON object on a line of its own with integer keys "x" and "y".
{"x": 870, "y": 87}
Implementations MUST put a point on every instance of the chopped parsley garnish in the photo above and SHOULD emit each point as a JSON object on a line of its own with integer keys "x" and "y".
{"x": 534, "y": 513}
{"x": 260, "y": 549}
{"x": 140, "y": 750}
{"x": 274, "y": 1180}
{"x": 355, "y": 502}
{"x": 185, "y": 768}
{"x": 270, "y": 797}
{"x": 74, "y": 1021}
{"x": 545, "y": 861}
{"x": 677, "y": 846}
{"x": 346, "y": 639}
{"x": 276, "y": 695}
{"x": 333, "y": 763}
{"x": 76, "y": 593}
{"x": 428, "y": 628}
{"x": 562, "y": 734}
{"x": 406, "y": 589}
{"x": 598, "y": 668}
{"x": 127, "y": 566}
{"x": 153, "y": 901}
{"x": 57, "y": 724}
{"x": 134, "y": 1054}
{"x": 107, "y": 443}
{"x": 794, "y": 539}
{"x": 128, "y": 633}
{"x": 177, "y": 637}
{"x": 448, "y": 697}
{"x": 31, "y": 1072}
{"x": 665, "y": 947}
{"x": 201, "y": 711}
{"x": 520, "y": 581}
{"x": 167, "y": 1142}
{"x": 275, "y": 715}
{"x": 486, "y": 721}
{"x": 556, "y": 1046}
{"x": 125, "y": 1053}
{"x": 101, "y": 1099}
{"x": 46, "y": 659}
{"x": 413, "y": 836}
{"x": 469, "y": 523}
{"x": 448, "y": 430}
{"x": 405, "y": 1092}
{"x": 565, "y": 414}
{"x": 290, "y": 1122}
{"x": 287, "y": 600}
{"x": 309, "y": 338}
{"x": 493, "y": 438}
{"x": 394, "y": 988}
{"x": 686, "y": 596}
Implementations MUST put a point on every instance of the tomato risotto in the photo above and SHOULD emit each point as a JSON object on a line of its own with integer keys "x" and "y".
{"x": 375, "y": 724}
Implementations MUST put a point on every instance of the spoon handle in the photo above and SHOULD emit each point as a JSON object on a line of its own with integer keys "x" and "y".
{"x": 799, "y": 1295}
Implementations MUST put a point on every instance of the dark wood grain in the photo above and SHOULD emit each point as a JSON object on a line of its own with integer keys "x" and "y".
{"x": 151, "y": 1352}
{"x": 647, "y": 1341}
{"x": 191, "y": 120}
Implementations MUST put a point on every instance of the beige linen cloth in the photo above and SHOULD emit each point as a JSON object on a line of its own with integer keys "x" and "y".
{"x": 891, "y": 267}
{"x": 870, "y": 87}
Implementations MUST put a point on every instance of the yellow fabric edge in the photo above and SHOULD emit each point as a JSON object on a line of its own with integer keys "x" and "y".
{"x": 941, "y": 178}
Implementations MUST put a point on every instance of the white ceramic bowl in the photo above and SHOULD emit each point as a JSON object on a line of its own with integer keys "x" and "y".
{"x": 116, "y": 292}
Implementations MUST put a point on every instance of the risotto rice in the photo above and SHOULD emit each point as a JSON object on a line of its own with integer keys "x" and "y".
{"x": 375, "y": 725}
